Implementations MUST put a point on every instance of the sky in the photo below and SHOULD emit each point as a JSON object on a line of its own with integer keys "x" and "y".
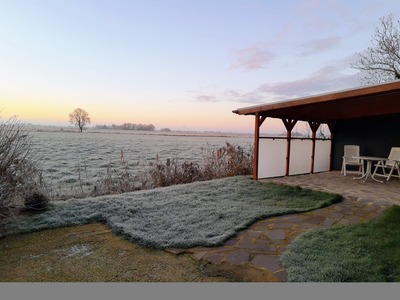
{"x": 178, "y": 64}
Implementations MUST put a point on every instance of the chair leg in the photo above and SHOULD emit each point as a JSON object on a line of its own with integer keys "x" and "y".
{"x": 398, "y": 171}
{"x": 379, "y": 165}
{"x": 395, "y": 166}
{"x": 376, "y": 168}
{"x": 390, "y": 173}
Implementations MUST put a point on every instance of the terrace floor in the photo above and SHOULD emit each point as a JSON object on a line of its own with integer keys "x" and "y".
{"x": 254, "y": 254}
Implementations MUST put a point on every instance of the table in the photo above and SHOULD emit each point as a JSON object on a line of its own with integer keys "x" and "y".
{"x": 368, "y": 171}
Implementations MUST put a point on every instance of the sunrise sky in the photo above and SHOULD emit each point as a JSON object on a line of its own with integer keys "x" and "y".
{"x": 180, "y": 64}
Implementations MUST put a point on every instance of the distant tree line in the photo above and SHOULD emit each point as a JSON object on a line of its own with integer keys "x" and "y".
{"x": 129, "y": 126}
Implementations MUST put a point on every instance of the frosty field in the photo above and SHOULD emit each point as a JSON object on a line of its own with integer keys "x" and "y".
{"x": 71, "y": 161}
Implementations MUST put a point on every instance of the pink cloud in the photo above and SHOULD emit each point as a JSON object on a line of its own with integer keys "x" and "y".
{"x": 252, "y": 58}
{"x": 329, "y": 78}
{"x": 320, "y": 45}
{"x": 326, "y": 79}
{"x": 206, "y": 98}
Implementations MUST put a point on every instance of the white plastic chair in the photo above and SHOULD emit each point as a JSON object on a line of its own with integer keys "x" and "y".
{"x": 391, "y": 164}
{"x": 348, "y": 160}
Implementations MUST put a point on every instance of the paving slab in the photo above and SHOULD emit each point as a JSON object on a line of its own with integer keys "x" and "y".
{"x": 238, "y": 257}
{"x": 276, "y": 234}
{"x": 269, "y": 262}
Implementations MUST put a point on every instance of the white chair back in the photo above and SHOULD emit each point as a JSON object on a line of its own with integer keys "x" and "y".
{"x": 351, "y": 150}
{"x": 394, "y": 155}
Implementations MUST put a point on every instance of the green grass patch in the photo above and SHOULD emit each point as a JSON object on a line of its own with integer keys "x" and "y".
{"x": 203, "y": 213}
{"x": 364, "y": 252}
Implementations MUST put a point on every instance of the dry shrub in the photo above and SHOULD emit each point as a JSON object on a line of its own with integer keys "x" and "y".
{"x": 229, "y": 160}
{"x": 20, "y": 175}
{"x": 114, "y": 183}
{"x": 36, "y": 201}
{"x": 172, "y": 173}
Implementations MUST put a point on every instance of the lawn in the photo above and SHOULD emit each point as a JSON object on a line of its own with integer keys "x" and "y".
{"x": 364, "y": 252}
{"x": 203, "y": 213}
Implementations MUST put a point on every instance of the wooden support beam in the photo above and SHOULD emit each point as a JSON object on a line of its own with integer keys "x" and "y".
{"x": 314, "y": 128}
{"x": 289, "y": 125}
{"x": 258, "y": 121}
{"x": 332, "y": 129}
{"x": 261, "y": 120}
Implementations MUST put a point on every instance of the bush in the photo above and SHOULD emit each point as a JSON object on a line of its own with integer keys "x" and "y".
{"x": 172, "y": 173}
{"x": 226, "y": 161}
{"x": 36, "y": 201}
{"x": 19, "y": 172}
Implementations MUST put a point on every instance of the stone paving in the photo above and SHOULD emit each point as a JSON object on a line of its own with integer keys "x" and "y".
{"x": 255, "y": 252}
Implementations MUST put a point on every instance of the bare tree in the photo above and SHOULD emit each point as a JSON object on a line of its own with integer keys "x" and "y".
{"x": 80, "y": 118}
{"x": 381, "y": 61}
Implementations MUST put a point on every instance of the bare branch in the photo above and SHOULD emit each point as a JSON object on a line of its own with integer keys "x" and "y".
{"x": 19, "y": 165}
{"x": 381, "y": 61}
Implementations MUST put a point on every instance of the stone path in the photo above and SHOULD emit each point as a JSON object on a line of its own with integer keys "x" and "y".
{"x": 255, "y": 252}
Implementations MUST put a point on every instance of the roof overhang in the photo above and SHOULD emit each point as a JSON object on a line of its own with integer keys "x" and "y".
{"x": 374, "y": 100}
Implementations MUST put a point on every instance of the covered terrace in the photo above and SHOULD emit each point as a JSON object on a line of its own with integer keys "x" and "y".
{"x": 368, "y": 116}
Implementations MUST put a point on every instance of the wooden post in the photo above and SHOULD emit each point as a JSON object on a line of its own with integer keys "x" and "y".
{"x": 314, "y": 127}
{"x": 258, "y": 122}
{"x": 332, "y": 128}
{"x": 289, "y": 124}
{"x": 256, "y": 146}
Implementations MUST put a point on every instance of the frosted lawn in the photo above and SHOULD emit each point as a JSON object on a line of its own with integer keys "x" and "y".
{"x": 197, "y": 214}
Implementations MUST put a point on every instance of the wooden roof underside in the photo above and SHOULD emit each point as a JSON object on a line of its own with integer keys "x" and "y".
{"x": 377, "y": 100}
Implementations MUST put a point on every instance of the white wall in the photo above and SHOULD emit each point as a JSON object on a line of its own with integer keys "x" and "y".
{"x": 322, "y": 156}
{"x": 272, "y": 157}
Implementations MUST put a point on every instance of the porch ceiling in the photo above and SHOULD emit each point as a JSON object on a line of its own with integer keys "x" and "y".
{"x": 376, "y": 100}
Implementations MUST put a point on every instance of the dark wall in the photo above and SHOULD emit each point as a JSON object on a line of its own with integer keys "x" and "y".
{"x": 375, "y": 135}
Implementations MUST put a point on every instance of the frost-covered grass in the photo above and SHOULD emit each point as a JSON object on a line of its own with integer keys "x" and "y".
{"x": 365, "y": 252}
{"x": 73, "y": 164}
{"x": 197, "y": 214}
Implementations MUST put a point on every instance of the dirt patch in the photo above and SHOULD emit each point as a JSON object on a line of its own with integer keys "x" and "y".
{"x": 92, "y": 253}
